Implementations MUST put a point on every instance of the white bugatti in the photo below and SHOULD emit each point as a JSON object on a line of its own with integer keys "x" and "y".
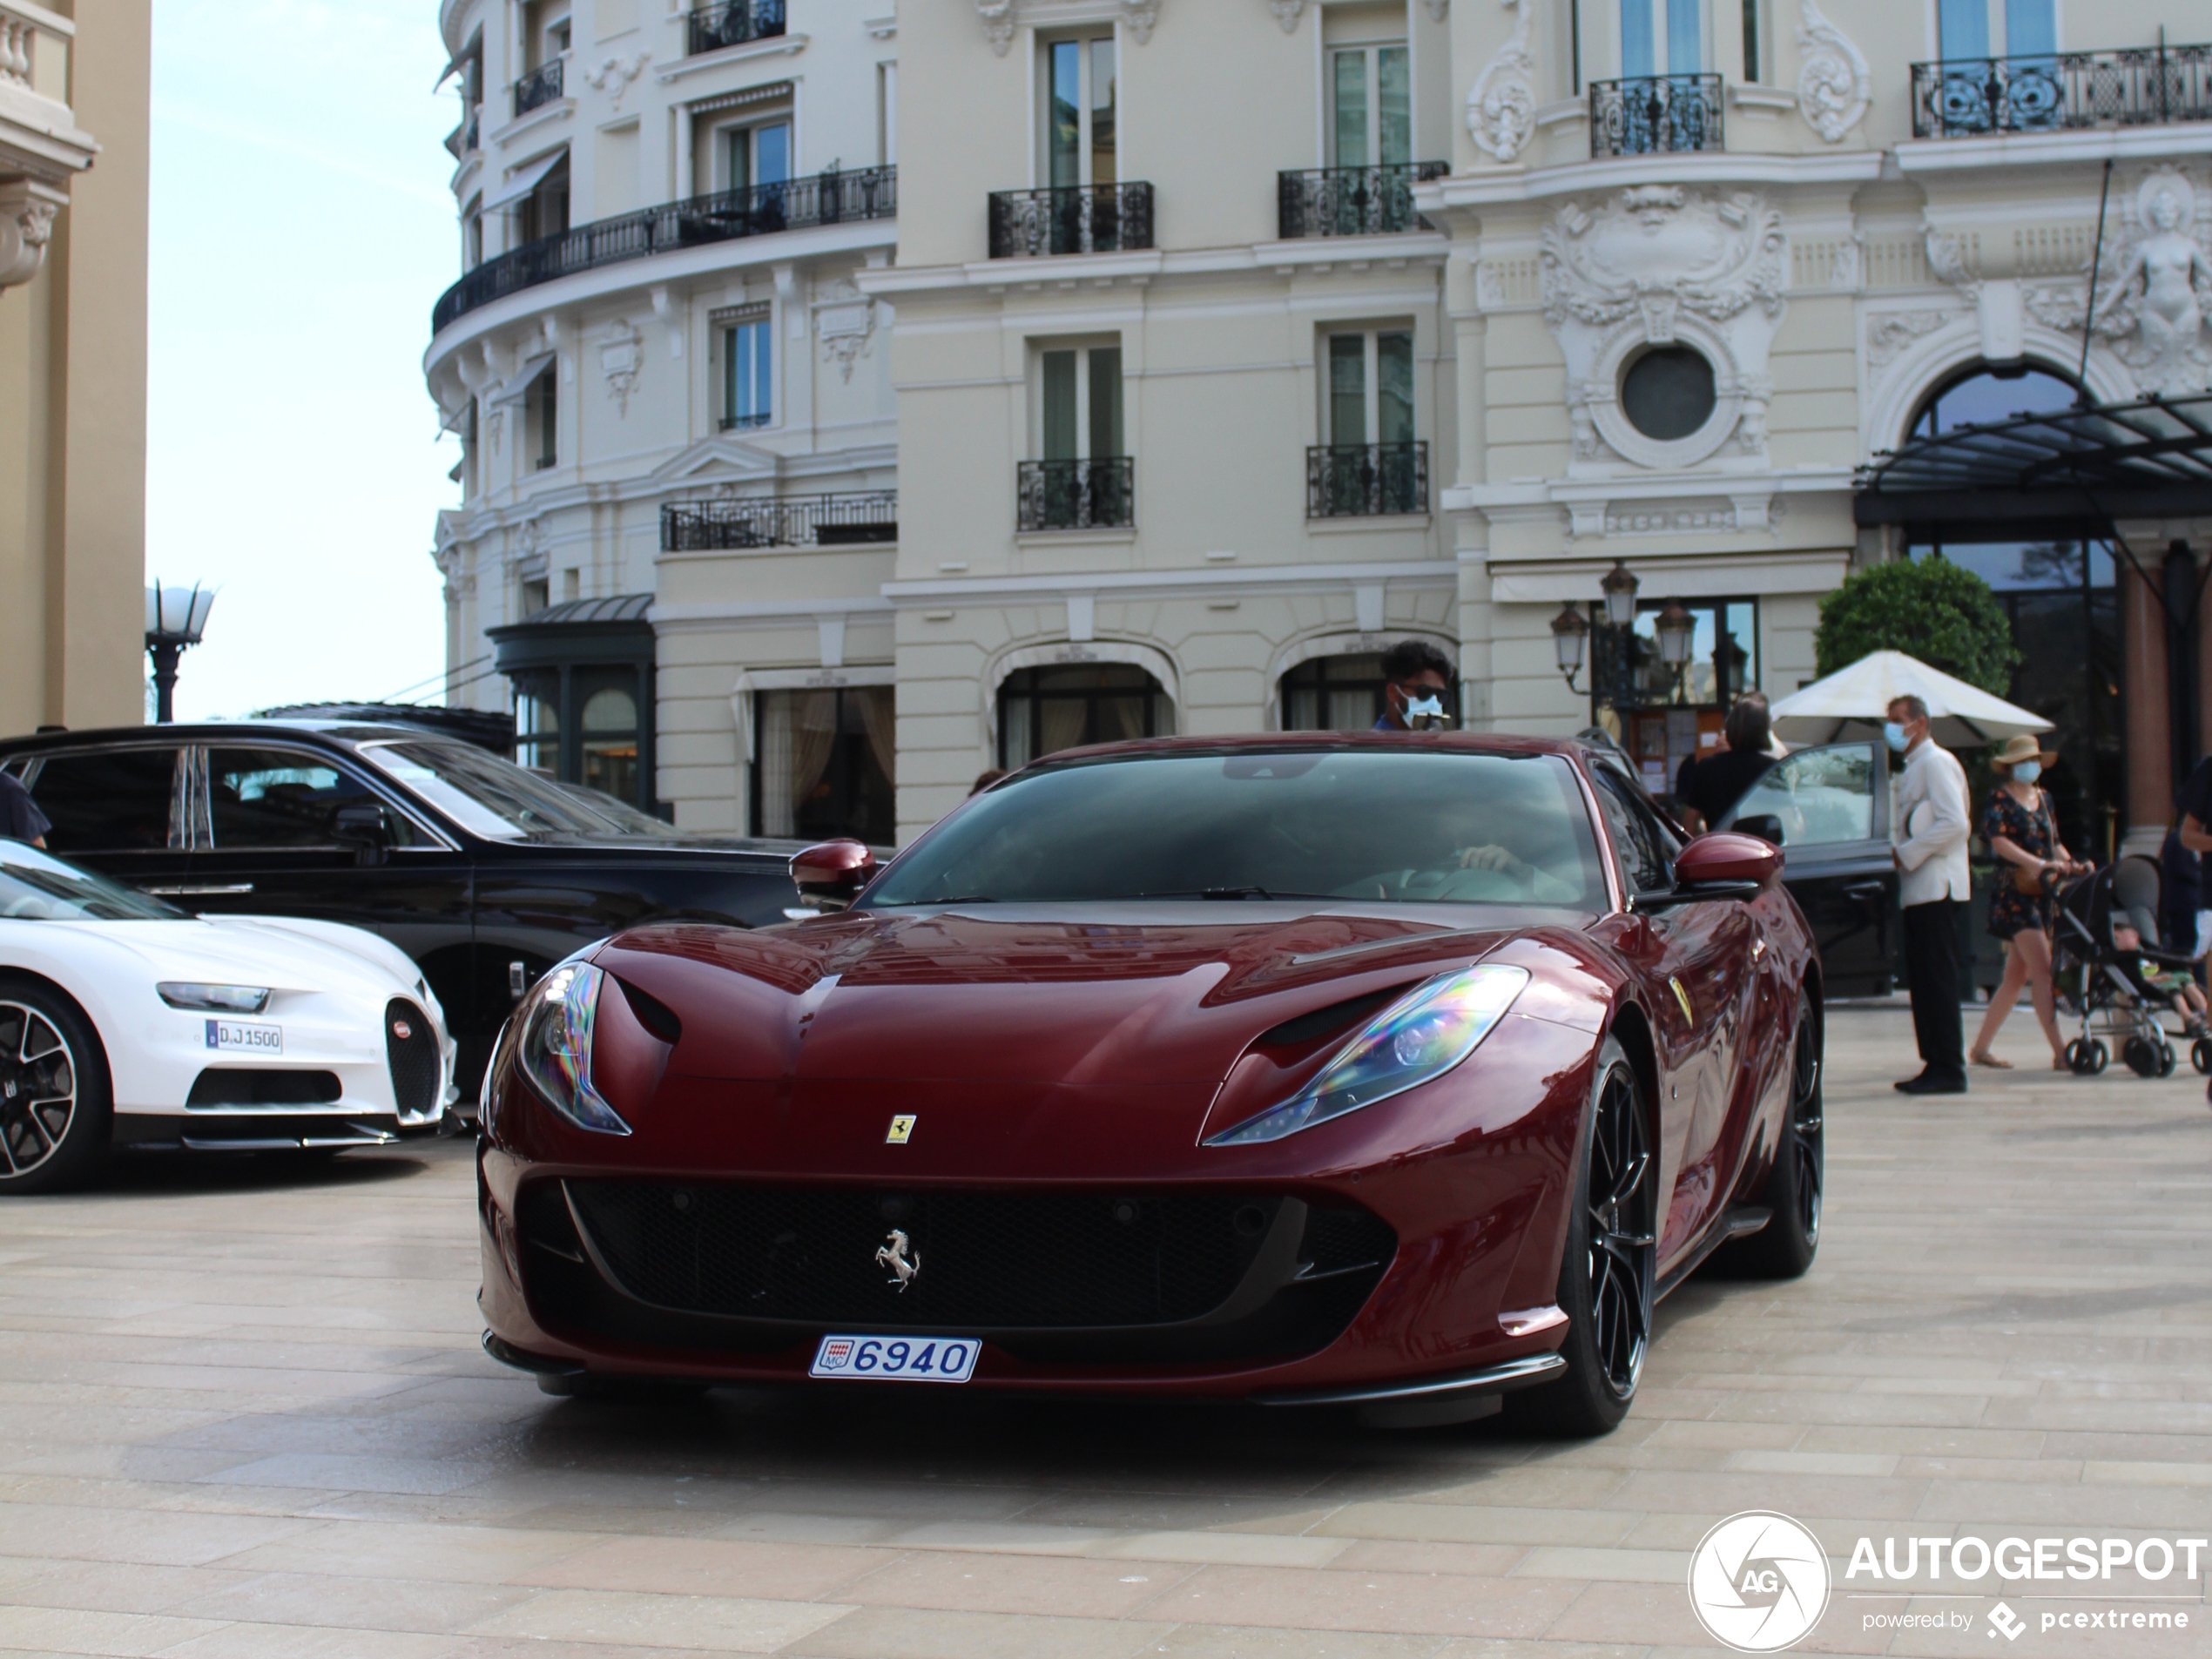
{"x": 125, "y": 1022}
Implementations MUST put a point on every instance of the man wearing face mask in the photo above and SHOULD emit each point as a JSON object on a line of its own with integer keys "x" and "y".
{"x": 1928, "y": 841}
{"x": 1416, "y": 676}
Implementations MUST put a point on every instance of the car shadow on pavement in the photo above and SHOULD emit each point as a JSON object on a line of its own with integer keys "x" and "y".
{"x": 168, "y": 1172}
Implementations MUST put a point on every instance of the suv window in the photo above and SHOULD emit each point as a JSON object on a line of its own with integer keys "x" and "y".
{"x": 285, "y": 798}
{"x": 1821, "y": 795}
{"x": 1647, "y": 848}
{"x": 110, "y": 800}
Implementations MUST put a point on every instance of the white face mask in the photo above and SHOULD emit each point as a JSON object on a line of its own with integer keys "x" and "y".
{"x": 1422, "y": 712}
{"x": 2026, "y": 771}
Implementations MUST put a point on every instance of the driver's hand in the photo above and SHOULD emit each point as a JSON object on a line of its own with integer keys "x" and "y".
{"x": 1492, "y": 858}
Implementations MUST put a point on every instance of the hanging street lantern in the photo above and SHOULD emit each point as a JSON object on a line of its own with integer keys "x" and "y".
{"x": 1571, "y": 637}
{"x": 176, "y": 618}
{"x": 1677, "y": 628}
{"x": 1619, "y": 587}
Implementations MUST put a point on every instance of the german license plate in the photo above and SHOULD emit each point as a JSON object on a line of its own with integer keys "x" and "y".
{"x": 237, "y": 1037}
{"x": 895, "y": 1358}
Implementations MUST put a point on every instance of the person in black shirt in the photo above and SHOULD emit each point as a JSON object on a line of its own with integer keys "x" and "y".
{"x": 2181, "y": 868}
{"x": 20, "y": 818}
{"x": 1713, "y": 785}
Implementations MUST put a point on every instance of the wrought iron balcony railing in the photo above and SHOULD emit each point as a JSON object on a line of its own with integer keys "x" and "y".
{"x": 797, "y": 203}
{"x": 732, "y": 24}
{"x": 1655, "y": 113}
{"x": 540, "y": 85}
{"x": 1365, "y": 479}
{"x": 1352, "y": 201}
{"x": 1097, "y": 494}
{"x": 785, "y": 521}
{"x": 1070, "y": 218}
{"x": 2143, "y": 86}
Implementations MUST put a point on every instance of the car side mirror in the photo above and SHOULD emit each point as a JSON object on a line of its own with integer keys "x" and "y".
{"x": 830, "y": 876}
{"x": 1725, "y": 864}
{"x": 361, "y": 827}
{"x": 1766, "y": 826}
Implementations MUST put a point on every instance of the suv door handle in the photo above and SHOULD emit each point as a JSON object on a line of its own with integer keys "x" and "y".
{"x": 1866, "y": 890}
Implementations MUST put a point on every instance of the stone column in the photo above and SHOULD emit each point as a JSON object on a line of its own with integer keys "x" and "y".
{"x": 2143, "y": 690}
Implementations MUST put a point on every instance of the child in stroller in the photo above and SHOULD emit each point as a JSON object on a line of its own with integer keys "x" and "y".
{"x": 2109, "y": 963}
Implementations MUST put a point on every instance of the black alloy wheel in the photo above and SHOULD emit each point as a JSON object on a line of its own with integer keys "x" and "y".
{"x": 1784, "y": 1247}
{"x": 1610, "y": 1267}
{"x": 55, "y": 1117}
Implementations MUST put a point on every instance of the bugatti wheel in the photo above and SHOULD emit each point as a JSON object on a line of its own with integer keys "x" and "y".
{"x": 1607, "y": 1274}
{"x": 55, "y": 1115}
{"x": 1784, "y": 1247}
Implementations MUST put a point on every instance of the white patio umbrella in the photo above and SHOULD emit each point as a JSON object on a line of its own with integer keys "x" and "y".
{"x": 1853, "y": 703}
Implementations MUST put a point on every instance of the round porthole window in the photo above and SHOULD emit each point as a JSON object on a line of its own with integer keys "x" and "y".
{"x": 1668, "y": 393}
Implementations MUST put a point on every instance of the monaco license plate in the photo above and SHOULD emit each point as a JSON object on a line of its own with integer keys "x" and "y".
{"x": 950, "y": 1359}
{"x": 238, "y": 1037}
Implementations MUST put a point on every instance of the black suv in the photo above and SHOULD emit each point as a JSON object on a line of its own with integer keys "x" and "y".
{"x": 484, "y": 874}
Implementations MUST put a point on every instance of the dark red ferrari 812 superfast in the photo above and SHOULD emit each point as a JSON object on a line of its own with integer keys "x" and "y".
{"x": 1403, "y": 1071}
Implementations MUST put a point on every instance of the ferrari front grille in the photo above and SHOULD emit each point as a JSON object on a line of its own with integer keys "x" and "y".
{"x": 411, "y": 1050}
{"x": 981, "y": 1260}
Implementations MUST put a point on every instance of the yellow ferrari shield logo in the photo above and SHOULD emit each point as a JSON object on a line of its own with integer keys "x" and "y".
{"x": 902, "y": 1126}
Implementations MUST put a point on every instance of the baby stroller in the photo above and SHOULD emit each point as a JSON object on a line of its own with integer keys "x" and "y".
{"x": 2110, "y": 988}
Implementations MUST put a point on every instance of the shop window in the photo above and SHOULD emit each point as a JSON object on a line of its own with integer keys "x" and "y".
{"x": 609, "y": 742}
{"x": 826, "y": 764}
{"x": 1042, "y": 710}
{"x": 537, "y": 723}
{"x": 1664, "y": 711}
{"x": 1342, "y": 694}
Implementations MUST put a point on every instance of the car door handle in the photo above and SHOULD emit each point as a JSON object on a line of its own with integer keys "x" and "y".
{"x": 199, "y": 891}
{"x": 1865, "y": 889}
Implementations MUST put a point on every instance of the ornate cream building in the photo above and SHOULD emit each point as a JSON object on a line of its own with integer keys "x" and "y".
{"x": 73, "y": 151}
{"x": 1238, "y": 339}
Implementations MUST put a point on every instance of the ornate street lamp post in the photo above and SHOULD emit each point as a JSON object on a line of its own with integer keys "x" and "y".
{"x": 175, "y": 618}
{"x": 1570, "y": 635}
{"x": 1676, "y": 630}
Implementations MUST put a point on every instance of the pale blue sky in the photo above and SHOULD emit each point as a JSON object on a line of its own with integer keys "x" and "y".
{"x": 301, "y": 228}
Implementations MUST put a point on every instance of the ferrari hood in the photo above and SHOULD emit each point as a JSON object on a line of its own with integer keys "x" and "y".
{"x": 1096, "y": 994}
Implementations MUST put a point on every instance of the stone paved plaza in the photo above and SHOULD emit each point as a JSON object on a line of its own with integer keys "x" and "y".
{"x": 242, "y": 1412}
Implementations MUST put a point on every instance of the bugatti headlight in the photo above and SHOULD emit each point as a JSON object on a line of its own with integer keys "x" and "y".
{"x": 213, "y": 999}
{"x": 1416, "y": 1039}
{"x": 553, "y": 1046}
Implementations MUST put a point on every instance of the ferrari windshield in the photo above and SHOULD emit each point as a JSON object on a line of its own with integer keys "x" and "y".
{"x": 1367, "y": 825}
{"x": 34, "y": 887}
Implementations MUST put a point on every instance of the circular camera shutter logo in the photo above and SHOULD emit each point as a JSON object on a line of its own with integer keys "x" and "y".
{"x": 1758, "y": 1581}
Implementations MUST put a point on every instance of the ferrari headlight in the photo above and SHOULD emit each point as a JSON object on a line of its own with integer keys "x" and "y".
{"x": 213, "y": 999}
{"x": 1417, "y": 1039}
{"x": 553, "y": 1046}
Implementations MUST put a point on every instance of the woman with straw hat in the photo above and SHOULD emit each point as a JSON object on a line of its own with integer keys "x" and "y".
{"x": 2023, "y": 831}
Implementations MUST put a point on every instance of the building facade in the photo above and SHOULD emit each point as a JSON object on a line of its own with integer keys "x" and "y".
{"x": 74, "y": 115}
{"x": 1425, "y": 319}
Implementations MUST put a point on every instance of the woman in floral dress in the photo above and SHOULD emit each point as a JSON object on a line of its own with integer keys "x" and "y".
{"x": 2022, "y": 831}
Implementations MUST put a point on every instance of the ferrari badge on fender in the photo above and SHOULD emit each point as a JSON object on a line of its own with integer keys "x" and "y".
{"x": 902, "y": 1126}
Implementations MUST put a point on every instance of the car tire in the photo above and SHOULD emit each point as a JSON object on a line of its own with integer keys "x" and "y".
{"x": 1785, "y": 1246}
{"x": 57, "y": 1112}
{"x": 1609, "y": 1268}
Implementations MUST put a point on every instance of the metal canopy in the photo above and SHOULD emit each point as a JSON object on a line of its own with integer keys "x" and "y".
{"x": 2149, "y": 459}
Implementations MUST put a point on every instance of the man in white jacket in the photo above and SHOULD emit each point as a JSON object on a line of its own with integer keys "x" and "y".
{"x": 1929, "y": 836}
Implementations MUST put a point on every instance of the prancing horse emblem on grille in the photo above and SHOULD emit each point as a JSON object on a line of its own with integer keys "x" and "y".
{"x": 893, "y": 1254}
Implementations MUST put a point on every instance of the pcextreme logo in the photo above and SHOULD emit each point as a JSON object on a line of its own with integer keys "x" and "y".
{"x": 1758, "y": 1581}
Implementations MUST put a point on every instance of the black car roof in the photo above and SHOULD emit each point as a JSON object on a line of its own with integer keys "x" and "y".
{"x": 347, "y": 732}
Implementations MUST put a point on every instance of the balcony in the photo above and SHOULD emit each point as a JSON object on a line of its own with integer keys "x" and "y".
{"x": 711, "y": 28}
{"x": 799, "y": 204}
{"x": 1070, "y": 218}
{"x": 542, "y": 85}
{"x": 1095, "y": 495}
{"x": 1353, "y": 201}
{"x": 1365, "y": 479}
{"x": 2146, "y": 87}
{"x": 1654, "y": 114}
{"x": 852, "y": 519}
{"x": 465, "y": 139}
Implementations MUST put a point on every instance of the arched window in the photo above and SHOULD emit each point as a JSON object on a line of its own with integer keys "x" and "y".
{"x": 1342, "y": 694}
{"x": 1982, "y": 393}
{"x": 1042, "y": 710}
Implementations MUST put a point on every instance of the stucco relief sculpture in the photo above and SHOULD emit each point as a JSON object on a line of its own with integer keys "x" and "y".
{"x": 1501, "y": 104}
{"x": 1662, "y": 265}
{"x": 2154, "y": 312}
{"x": 27, "y": 211}
{"x": 622, "y": 356}
{"x": 844, "y": 322}
{"x": 999, "y": 20}
{"x": 1889, "y": 333}
{"x": 613, "y": 77}
{"x": 1286, "y": 13}
{"x": 1834, "y": 84}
